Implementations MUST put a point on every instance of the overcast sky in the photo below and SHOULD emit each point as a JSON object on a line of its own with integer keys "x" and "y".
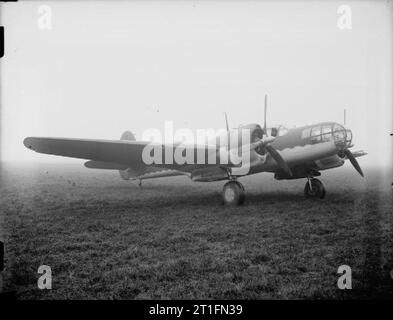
{"x": 106, "y": 67}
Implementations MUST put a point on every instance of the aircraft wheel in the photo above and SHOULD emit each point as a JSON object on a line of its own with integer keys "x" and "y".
{"x": 317, "y": 190}
{"x": 233, "y": 193}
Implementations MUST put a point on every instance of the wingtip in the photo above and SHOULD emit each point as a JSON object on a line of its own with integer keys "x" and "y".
{"x": 28, "y": 143}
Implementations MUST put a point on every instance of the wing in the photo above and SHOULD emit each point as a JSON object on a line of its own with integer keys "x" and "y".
{"x": 115, "y": 154}
{"x": 126, "y": 172}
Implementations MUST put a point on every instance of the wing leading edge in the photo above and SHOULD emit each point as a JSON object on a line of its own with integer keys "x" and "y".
{"x": 112, "y": 154}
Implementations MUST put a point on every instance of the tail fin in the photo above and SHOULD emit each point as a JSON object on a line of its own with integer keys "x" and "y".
{"x": 127, "y": 135}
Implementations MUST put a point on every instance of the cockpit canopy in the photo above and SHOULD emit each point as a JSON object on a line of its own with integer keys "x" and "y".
{"x": 328, "y": 132}
{"x": 277, "y": 131}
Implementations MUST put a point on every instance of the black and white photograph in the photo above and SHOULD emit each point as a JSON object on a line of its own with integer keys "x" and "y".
{"x": 196, "y": 150}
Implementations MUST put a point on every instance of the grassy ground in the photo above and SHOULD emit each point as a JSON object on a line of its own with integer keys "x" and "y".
{"x": 172, "y": 238}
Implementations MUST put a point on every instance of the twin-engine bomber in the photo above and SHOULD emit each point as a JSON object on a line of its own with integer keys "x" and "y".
{"x": 290, "y": 154}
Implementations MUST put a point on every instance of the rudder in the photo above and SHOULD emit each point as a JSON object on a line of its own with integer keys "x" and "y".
{"x": 127, "y": 135}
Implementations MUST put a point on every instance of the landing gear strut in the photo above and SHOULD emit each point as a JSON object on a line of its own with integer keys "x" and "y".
{"x": 314, "y": 189}
{"x": 233, "y": 193}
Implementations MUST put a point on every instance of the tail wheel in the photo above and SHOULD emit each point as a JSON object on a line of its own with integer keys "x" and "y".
{"x": 233, "y": 193}
{"x": 314, "y": 189}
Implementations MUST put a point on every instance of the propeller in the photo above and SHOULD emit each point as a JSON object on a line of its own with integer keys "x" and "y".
{"x": 277, "y": 157}
{"x": 353, "y": 161}
{"x": 349, "y": 154}
{"x": 227, "y": 126}
{"x": 266, "y": 144}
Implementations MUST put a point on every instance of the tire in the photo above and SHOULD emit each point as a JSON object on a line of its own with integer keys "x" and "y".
{"x": 233, "y": 193}
{"x": 317, "y": 189}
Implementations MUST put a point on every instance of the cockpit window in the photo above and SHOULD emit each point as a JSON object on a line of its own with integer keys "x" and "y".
{"x": 316, "y": 134}
{"x": 316, "y": 131}
{"x": 338, "y": 127}
{"x": 327, "y": 133}
{"x": 339, "y": 132}
{"x": 326, "y": 129}
{"x": 277, "y": 131}
{"x": 306, "y": 133}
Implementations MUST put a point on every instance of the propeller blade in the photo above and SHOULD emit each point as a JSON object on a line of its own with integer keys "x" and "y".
{"x": 226, "y": 121}
{"x": 280, "y": 161}
{"x": 262, "y": 142}
{"x": 264, "y": 120}
{"x": 354, "y": 162}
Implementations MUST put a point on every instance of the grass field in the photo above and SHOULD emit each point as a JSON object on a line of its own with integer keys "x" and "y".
{"x": 172, "y": 238}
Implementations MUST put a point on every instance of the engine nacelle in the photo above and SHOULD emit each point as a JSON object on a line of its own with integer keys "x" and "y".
{"x": 209, "y": 174}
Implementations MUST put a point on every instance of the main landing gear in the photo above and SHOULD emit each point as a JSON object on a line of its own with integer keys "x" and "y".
{"x": 233, "y": 193}
{"x": 314, "y": 189}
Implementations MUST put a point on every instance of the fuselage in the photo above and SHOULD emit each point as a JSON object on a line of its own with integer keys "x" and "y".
{"x": 308, "y": 148}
